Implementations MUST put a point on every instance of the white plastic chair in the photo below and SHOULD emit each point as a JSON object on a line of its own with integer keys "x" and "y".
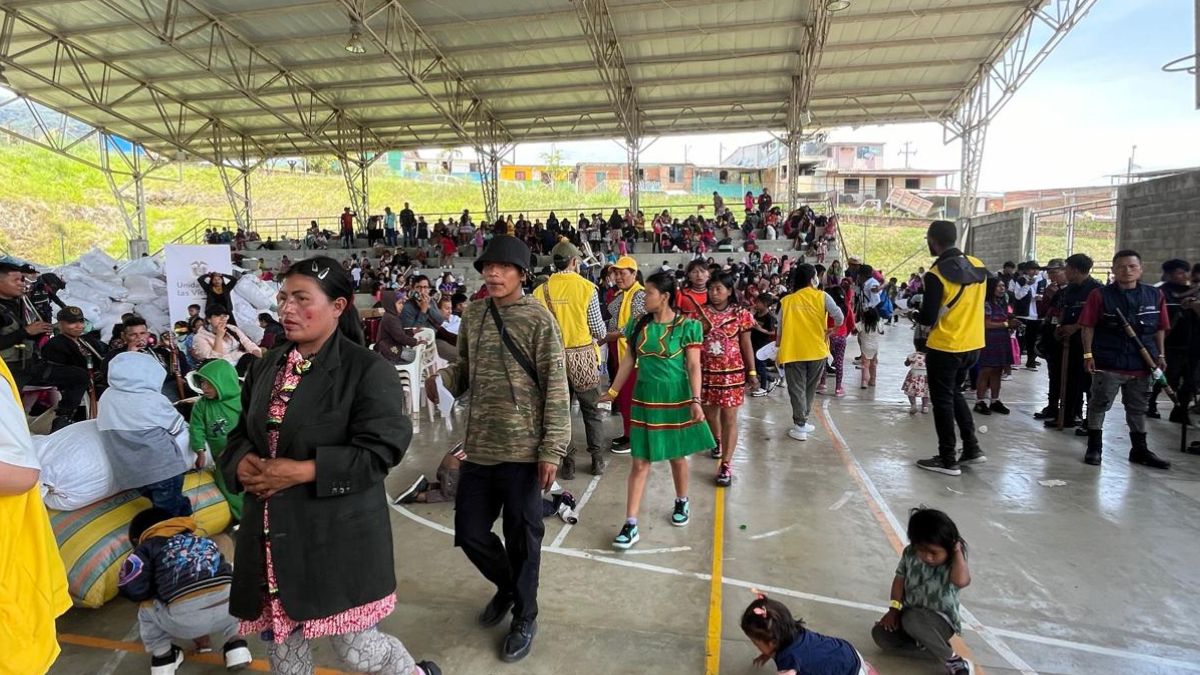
{"x": 410, "y": 376}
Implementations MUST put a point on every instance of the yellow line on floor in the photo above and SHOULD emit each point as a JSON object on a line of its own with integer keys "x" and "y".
{"x": 712, "y": 643}
{"x": 215, "y": 659}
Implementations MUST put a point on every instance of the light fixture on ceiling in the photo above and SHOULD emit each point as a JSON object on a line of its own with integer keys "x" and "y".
{"x": 837, "y": 5}
{"x": 354, "y": 45}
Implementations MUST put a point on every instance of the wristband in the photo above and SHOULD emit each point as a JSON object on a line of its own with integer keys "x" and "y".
{"x": 1087, "y": 355}
{"x": 895, "y": 604}
{"x": 612, "y": 393}
{"x": 753, "y": 373}
{"x": 696, "y": 399}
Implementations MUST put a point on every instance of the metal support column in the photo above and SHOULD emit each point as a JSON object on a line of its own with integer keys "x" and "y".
{"x": 972, "y": 161}
{"x": 357, "y": 172}
{"x": 234, "y": 164}
{"x": 793, "y": 140}
{"x": 491, "y": 143}
{"x": 633, "y": 151}
{"x": 125, "y": 166}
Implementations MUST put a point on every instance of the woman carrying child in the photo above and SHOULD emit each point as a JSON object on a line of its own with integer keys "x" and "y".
{"x": 727, "y": 362}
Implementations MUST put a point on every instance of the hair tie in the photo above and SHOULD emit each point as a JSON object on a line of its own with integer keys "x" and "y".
{"x": 760, "y": 611}
{"x": 758, "y": 594}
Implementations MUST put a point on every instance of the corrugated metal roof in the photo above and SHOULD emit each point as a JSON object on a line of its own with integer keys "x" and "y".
{"x": 288, "y": 85}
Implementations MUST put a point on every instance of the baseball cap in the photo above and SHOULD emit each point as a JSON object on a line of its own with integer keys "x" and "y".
{"x": 10, "y": 265}
{"x": 1056, "y": 264}
{"x": 626, "y": 263}
{"x": 71, "y": 315}
{"x": 854, "y": 259}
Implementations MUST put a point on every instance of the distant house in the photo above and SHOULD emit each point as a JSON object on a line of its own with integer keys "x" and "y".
{"x": 665, "y": 178}
{"x": 854, "y": 173}
{"x": 536, "y": 173}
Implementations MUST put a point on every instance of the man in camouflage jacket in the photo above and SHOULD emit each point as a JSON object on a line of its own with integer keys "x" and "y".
{"x": 518, "y": 429}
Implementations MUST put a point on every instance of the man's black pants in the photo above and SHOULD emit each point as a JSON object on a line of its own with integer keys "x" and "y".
{"x": 1033, "y": 328}
{"x": 70, "y": 381}
{"x": 1053, "y": 365}
{"x": 1079, "y": 382}
{"x": 947, "y": 371}
{"x": 483, "y": 492}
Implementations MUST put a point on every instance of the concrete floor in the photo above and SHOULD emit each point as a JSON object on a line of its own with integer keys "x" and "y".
{"x": 1097, "y": 575}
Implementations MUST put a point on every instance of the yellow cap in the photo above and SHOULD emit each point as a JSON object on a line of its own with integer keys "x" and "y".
{"x": 626, "y": 263}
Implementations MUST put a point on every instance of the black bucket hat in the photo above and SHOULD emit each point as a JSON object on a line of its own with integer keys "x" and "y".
{"x": 505, "y": 249}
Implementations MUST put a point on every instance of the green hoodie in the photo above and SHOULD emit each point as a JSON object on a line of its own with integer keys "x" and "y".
{"x": 213, "y": 419}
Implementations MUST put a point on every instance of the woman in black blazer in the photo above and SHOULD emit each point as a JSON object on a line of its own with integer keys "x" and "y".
{"x": 321, "y": 427}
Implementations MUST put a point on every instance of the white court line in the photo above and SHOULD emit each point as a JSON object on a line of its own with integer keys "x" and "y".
{"x": 846, "y": 496}
{"x": 772, "y": 533}
{"x": 640, "y": 551}
{"x": 583, "y": 500}
{"x": 620, "y": 561}
{"x": 110, "y": 666}
{"x": 992, "y": 639}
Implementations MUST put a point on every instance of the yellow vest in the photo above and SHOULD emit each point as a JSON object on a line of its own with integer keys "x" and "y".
{"x": 33, "y": 581}
{"x": 960, "y": 328}
{"x": 624, "y": 314}
{"x": 802, "y": 325}
{"x": 567, "y": 296}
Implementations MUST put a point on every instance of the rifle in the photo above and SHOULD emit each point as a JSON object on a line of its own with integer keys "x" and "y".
{"x": 1155, "y": 372}
{"x": 88, "y": 353}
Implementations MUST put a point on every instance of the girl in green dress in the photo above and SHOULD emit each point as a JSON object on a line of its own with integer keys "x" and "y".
{"x": 666, "y": 419}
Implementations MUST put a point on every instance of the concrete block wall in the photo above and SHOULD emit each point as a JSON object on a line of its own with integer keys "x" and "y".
{"x": 997, "y": 237}
{"x": 1160, "y": 219}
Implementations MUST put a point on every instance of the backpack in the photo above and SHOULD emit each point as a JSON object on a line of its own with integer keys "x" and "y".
{"x": 885, "y": 305}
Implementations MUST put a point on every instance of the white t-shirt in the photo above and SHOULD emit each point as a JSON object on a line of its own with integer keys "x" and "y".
{"x": 871, "y": 293}
{"x": 356, "y": 274}
{"x": 451, "y": 323}
{"x": 16, "y": 447}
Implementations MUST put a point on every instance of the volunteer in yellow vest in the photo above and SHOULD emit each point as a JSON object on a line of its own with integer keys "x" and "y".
{"x": 629, "y": 304}
{"x": 804, "y": 344}
{"x": 953, "y": 309}
{"x": 576, "y": 306}
{"x": 31, "y": 570}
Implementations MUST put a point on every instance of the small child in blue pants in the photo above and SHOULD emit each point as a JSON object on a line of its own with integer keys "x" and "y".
{"x": 182, "y": 581}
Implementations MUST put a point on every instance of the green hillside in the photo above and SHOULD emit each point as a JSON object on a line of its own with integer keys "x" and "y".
{"x": 51, "y": 207}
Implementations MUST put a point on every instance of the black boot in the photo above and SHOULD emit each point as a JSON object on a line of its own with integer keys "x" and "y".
{"x": 1152, "y": 411}
{"x": 599, "y": 462}
{"x": 1095, "y": 447}
{"x": 567, "y": 470}
{"x": 1141, "y": 454}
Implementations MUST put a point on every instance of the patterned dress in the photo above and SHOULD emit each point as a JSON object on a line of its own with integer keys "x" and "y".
{"x": 997, "y": 349}
{"x": 661, "y": 425}
{"x": 274, "y": 624}
{"x": 724, "y": 380}
{"x": 916, "y": 383}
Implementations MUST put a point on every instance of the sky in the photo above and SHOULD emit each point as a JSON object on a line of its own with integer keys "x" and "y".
{"x": 1072, "y": 124}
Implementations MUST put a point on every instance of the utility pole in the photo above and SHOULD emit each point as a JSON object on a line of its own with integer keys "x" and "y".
{"x": 906, "y": 152}
{"x": 1129, "y": 169}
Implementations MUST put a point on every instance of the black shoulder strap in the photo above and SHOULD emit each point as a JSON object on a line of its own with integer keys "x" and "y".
{"x": 520, "y": 357}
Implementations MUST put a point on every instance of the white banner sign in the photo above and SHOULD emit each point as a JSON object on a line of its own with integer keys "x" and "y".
{"x": 184, "y": 265}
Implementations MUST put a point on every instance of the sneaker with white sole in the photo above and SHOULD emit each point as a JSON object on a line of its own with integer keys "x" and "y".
{"x": 410, "y": 495}
{"x": 759, "y": 392}
{"x": 682, "y": 513}
{"x": 627, "y": 537}
{"x": 237, "y": 655}
{"x": 937, "y": 464}
{"x": 166, "y": 664}
{"x": 957, "y": 665}
{"x": 798, "y": 433}
{"x": 809, "y": 428}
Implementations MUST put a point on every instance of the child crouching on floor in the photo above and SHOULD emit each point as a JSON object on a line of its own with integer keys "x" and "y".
{"x": 796, "y": 649}
{"x": 924, "y": 609}
{"x": 182, "y": 581}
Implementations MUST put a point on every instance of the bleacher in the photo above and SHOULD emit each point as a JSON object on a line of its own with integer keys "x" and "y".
{"x": 462, "y": 265}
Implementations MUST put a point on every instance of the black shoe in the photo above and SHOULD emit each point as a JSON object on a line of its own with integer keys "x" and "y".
{"x": 237, "y": 655}
{"x": 982, "y": 408}
{"x": 497, "y": 608}
{"x": 1081, "y": 431}
{"x": 599, "y": 463}
{"x": 972, "y": 456}
{"x": 940, "y": 466}
{"x": 999, "y": 407}
{"x": 1095, "y": 447}
{"x": 166, "y": 664}
{"x": 519, "y": 640}
{"x": 410, "y": 495}
{"x": 1046, "y": 413}
{"x": 567, "y": 470}
{"x": 1148, "y": 458}
{"x": 1179, "y": 415}
{"x": 1152, "y": 412}
{"x": 620, "y": 445}
{"x": 429, "y": 667}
